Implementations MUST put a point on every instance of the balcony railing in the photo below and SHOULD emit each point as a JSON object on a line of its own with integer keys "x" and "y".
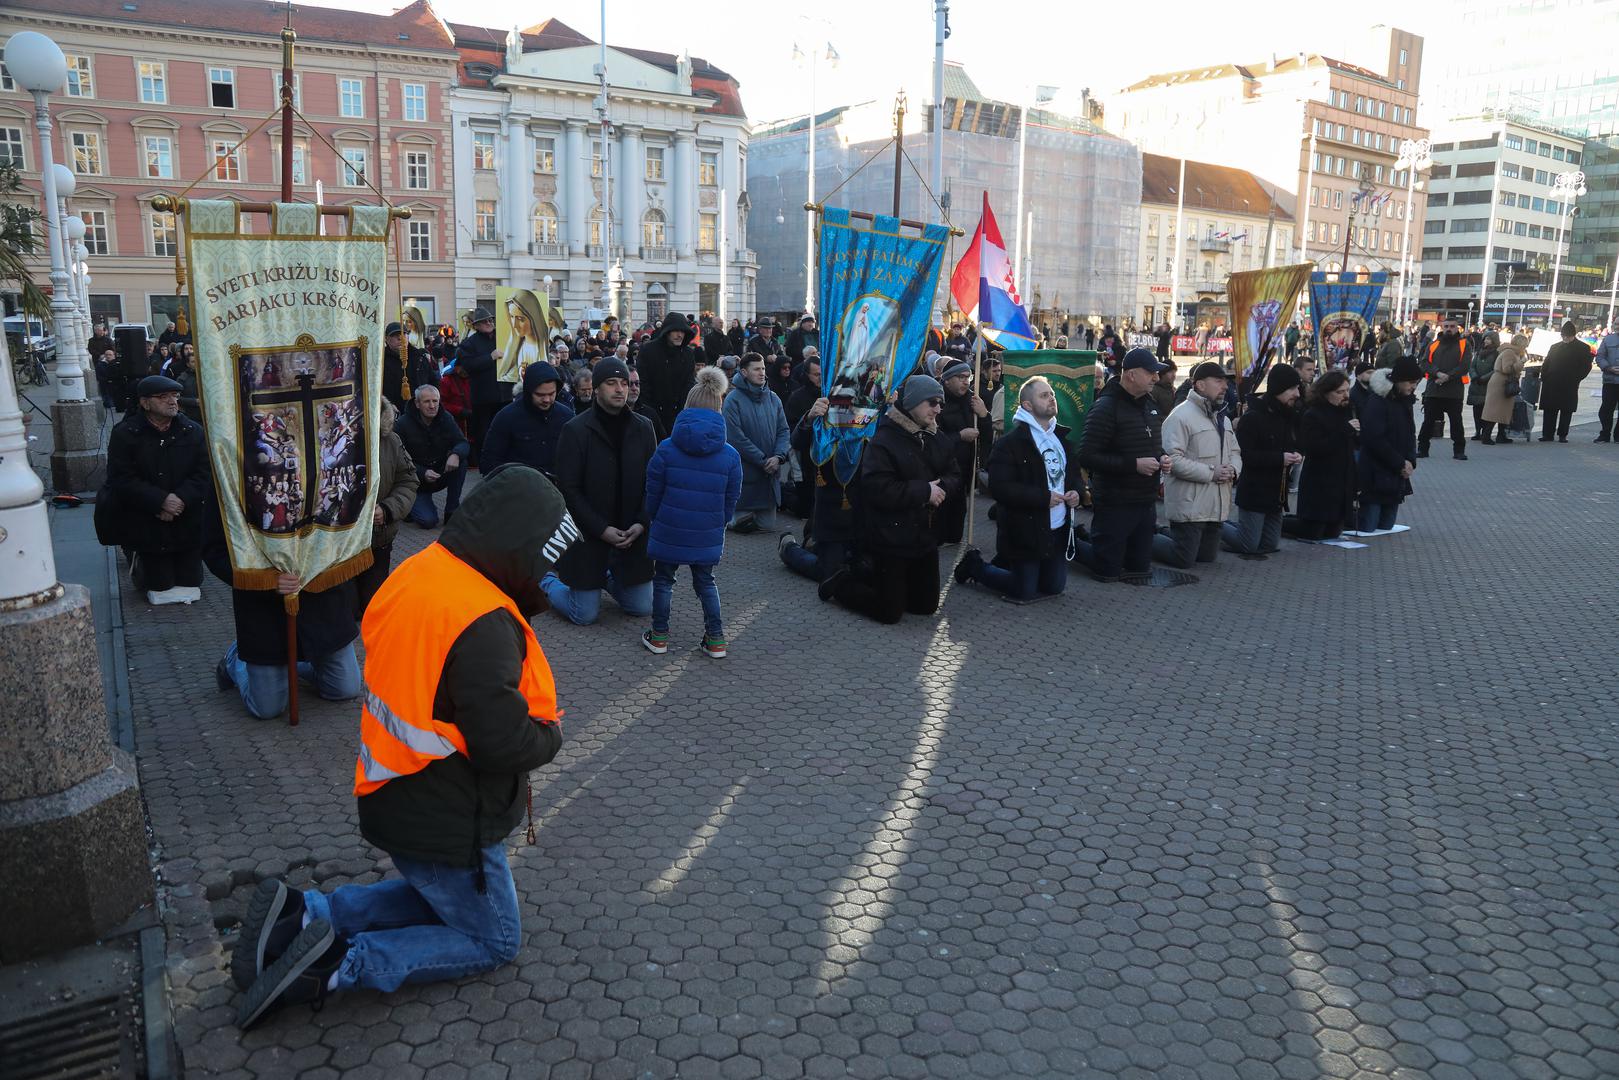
{"x": 1214, "y": 244}
{"x": 747, "y": 257}
{"x": 548, "y": 251}
{"x": 658, "y": 253}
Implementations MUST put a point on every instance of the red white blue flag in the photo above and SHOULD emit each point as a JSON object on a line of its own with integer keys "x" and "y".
{"x": 983, "y": 288}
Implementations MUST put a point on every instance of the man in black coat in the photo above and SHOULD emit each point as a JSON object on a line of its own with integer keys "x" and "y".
{"x": 803, "y": 336}
{"x": 1034, "y": 477}
{"x": 529, "y": 430}
{"x": 404, "y": 368}
{"x": 668, "y": 367}
{"x": 960, "y": 427}
{"x": 158, "y": 486}
{"x": 476, "y": 357}
{"x": 764, "y": 341}
{"x": 1123, "y": 451}
{"x": 906, "y": 472}
{"x": 1267, "y": 435}
{"x": 439, "y": 451}
{"x": 1567, "y": 364}
{"x": 601, "y": 470}
{"x": 1445, "y": 364}
{"x": 441, "y": 780}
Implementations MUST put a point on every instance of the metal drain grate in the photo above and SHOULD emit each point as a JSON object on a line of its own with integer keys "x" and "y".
{"x": 79, "y": 1042}
{"x": 1159, "y": 578}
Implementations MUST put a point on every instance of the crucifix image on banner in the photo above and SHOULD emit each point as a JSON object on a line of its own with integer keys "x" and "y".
{"x": 303, "y": 439}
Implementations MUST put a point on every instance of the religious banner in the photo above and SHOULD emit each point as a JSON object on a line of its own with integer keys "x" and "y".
{"x": 523, "y": 319}
{"x": 876, "y": 294}
{"x": 289, "y": 337}
{"x": 1262, "y": 304}
{"x": 1344, "y": 306}
{"x": 1071, "y": 373}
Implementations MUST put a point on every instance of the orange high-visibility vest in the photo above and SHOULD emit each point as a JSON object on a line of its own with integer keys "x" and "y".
{"x": 409, "y": 627}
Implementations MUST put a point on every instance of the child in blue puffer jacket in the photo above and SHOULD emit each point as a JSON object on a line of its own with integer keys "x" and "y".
{"x": 692, "y": 485}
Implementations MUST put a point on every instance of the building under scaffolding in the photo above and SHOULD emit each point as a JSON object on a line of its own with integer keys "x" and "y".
{"x": 1082, "y": 188}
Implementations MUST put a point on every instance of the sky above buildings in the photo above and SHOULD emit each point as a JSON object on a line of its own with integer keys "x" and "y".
{"x": 1008, "y": 46}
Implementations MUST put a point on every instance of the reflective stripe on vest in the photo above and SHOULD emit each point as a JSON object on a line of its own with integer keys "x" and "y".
{"x": 408, "y": 630}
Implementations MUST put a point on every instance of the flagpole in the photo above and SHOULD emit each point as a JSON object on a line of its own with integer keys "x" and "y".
{"x": 289, "y": 603}
{"x": 972, "y": 481}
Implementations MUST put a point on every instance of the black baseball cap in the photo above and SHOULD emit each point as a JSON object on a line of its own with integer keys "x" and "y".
{"x": 1143, "y": 358}
{"x": 1208, "y": 369}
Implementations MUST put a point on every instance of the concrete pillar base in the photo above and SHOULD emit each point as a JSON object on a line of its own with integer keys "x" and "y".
{"x": 72, "y": 829}
{"x": 76, "y": 458}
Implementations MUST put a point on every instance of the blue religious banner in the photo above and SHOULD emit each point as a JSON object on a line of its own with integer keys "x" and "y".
{"x": 876, "y": 297}
{"x": 1343, "y": 306}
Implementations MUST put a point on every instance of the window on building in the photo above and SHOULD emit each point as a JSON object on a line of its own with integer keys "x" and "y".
{"x": 1509, "y": 170}
{"x": 1338, "y": 167}
{"x": 6, "y": 81}
{"x": 11, "y": 146}
{"x": 708, "y": 168}
{"x": 1377, "y": 173}
{"x": 545, "y": 224}
{"x": 708, "y": 232}
{"x": 300, "y": 163}
{"x": 1542, "y": 177}
{"x": 1315, "y": 197}
{"x": 1360, "y": 103}
{"x": 79, "y": 84}
{"x": 86, "y": 152}
{"x": 227, "y": 160}
{"x": 1470, "y": 225}
{"x": 415, "y": 101}
{"x": 1354, "y": 170}
{"x": 1381, "y": 105}
{"x": 1354, "y": 136}
{"x": 1470, "y": 198}
{"x": 153, "y": 82}
{"x": 654, "y": 163}
{"x": 1537, "y": 203}
{"x": 222, "y": 87}
{"x": 597, "y": 165}
{"x": 417, "y": 171}
{"x": 1337, "y": 200}
{"x": 297, "y": 89}
{"x": 96, "y": 233}
{"x": 355, "y": 167}
{"x": 1433, "y": 226}
{"x": 1402, "y": 58}
{"x": 421, "y": 241}
{"x": 1340, "y": 133}
{"x": 1432, "y": 253}
{"x": 351, "y": 97}
{"x": 1545, "y": 149}
{"x": 545, "y": 155}
{"x": 652, "y": 229}
{"x": 1334, "y": 238}
{"x": 1520, "y": 228}
{"x": 159, "y": 151}
{"x": 596, "y": 222}
{"x": 483, "y": 212}
{"x": 483, "y": 150}
{"x": 1573, "y": 157}
{"x": 1513, "y": 142}
{"x": 165, "y": 237}
{"x": 1535, "y": 232}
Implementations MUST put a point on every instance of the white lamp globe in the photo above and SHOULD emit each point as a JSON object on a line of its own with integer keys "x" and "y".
{"x": 36, "y": 63}
{"x": 66, "y": 182}
{"x": 75, "y": 227}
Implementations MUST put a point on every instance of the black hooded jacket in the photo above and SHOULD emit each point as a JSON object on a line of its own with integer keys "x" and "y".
{"x": 458, "y": 805}
{"x": 525, "y": 434}
{"x": 668, "y": 371}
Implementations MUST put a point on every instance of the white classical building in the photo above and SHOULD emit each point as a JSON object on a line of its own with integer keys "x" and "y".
{"x": 529, "y": 175}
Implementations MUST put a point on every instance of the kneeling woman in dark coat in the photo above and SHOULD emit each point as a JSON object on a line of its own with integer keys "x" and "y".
{"x": 1388, "y": 444}
{"x": 906, "y": 471}
{"x": 1327, "y": 483}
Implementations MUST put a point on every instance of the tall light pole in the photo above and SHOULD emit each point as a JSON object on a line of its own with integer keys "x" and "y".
{"x": 818, "y": 51}
{"x": 1567, "y": 187}
{"x": 1042, "y": 94}
{"x": 1309, "y": 191}
{"x": 941, "y": 31}
{"x": 1414, "y": 155}
{"x": 607, "y": 171}
{"x": 1180, "y": 240}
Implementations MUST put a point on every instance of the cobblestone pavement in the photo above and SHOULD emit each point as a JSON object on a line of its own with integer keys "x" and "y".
{"x": 1341, "y": 813}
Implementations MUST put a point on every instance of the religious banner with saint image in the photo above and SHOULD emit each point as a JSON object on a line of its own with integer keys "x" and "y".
{"x": 876, "y": 297}
{"x": 523, "y": 324}
{"x": 288, "y": 331}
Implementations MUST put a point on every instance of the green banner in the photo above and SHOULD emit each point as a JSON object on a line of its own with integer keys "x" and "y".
{"x": 1071, "y": 373}
{"x": 288, "y": 329}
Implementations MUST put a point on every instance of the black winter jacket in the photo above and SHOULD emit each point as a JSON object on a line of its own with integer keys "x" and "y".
{"x": 898, "y": 464}
{"x": 144, "y": 466}
{"x": 1266, "y": 431}
{"x": 1327, "y": 481}
{"x": 430, "y": 444}
{"x": 458, "y": 805}
{"x": 956, "y": 417}
{"x": 831, "y": 513}
{"x": 1118, "y": 430}
{"x": 1017, "y": 480}
{"x": 604, "y": 487}
{"x": 476, "y": 357}
{"x": 524, "y": 433}
{"x": 1388, "y": 439}
{"x": 399, "y": 381}
{"x": 668, "y": 371}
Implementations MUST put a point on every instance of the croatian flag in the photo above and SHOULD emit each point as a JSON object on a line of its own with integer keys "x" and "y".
{"x": 982, "y": 287}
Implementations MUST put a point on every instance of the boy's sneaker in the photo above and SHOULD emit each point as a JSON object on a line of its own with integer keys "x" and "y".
{"x": 714, "y": 646}
{"x": 656, "y": 642}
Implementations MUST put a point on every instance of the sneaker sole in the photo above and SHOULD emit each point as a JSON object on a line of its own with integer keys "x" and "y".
{"x": 247, "y": 960}
{"x": 713, "y": 654}
{"x": 656, "y": 649}
{"x": 310, "y": 944}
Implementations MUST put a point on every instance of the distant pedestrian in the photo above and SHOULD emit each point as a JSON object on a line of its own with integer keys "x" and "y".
{"x": 1445, "y": 364}
{"x": 1505, "y": 388}
{"x": 1388, "y": 444}
{"x": 1328, "y": 433}
{"x": 1268, "y": 436}
{"x": 1567, "y": 364}
{"x": 756, "y": 425}
{"x": 1607, "y": 361}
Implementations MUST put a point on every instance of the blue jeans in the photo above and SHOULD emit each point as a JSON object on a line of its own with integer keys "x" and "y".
{"x": 583, "y": 606}
{"x": 818, "y": 564}
{"x": 432, "y": 925}
{"x": 1254, "y": 532}
{"x": 702, "y": 582}
{"x": 1121, "y": 540}
{"x": 1378, "y": 517}
{"x": 423, "y": 512}
{"x": 1026, "y": 579}
{"x": 263, "y": 687}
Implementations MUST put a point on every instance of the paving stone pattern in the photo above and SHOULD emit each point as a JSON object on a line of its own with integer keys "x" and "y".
{"x": 1336, "y": 814}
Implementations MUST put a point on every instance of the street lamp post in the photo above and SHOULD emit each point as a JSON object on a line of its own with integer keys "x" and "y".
{"x": 1309, "y": 190}
{"x": 1414, "y": 155}
{"x": 1567, "y": 187}
{"x": 813, "y": 60}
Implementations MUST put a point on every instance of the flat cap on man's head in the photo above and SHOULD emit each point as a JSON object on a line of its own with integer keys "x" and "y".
{"x": 153, "y": 385}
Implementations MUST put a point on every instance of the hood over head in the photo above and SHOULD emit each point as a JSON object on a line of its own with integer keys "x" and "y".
{"x": 539, "y": 372}
{"x": 699, "y": 432}
{"x": 672, "y": 322}
{"x": 1381, "y": 382}
{"x": 512, "y": 529}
